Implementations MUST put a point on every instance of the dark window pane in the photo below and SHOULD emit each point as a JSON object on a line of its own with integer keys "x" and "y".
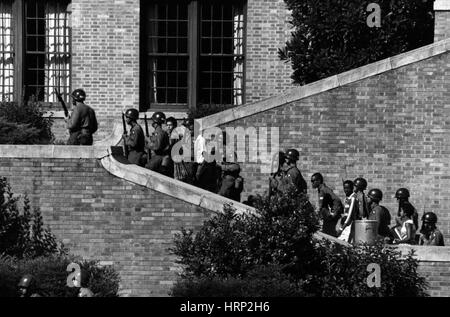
{"x": 182, "y": 46}
{"x": 228, "y": 29}
{"x": 217, "y": 46}
{"x": 162, "y": 46}
{"x": 172, "y": 46}
{"x": 182, "y": 29}
{"x": 228, "y": 12}
{"x": 182, "y": 12}
{"x": 171, "y": 95}
{"x": 161, "y": 29}
{"x": 228, "y": 46}
{"x": 172, "y": 29}
{"x": 172, "y": 79}
{"x": 206, "y": 12}
{"x": 217, "y": 29}
{"x": 182, "y": 96}
{"x": 31, "y": 43}
{"x": 206, "y": 46}
{"x": 161, "y": 80}
{"x": 161, "y": 95}
{"x": 172, "y": 12}
{"x": 162, "y": 11}
{"x": 182, "y": 79}
{"x": 217, "y": 12}
{"x": 206, "y": 28}
{"x": 227, "y": 96}
{"x": 31, "y": 27}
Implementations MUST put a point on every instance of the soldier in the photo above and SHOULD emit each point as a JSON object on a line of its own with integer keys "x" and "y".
{"x": 136, "y": 140}
{"x": 330, "y": 206}
{"x": 379, "y": 213}
{"x": 429, "y": 234}
{"x": 290, "y": 175}
{"x": 27, "y": 286}
{"x": 158, "y": 144}
{"x": 346, "y": 231}
{"x": 83, "y": 122}
{"x": 402, "y": 195}
{"x": 276, "y": 178}
{"x": 231, "y": 184}
{"x": 361, "y": 199}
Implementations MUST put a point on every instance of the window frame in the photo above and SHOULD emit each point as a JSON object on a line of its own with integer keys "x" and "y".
{"x": 19, "y": 20}
{"x": 194, "y": 7}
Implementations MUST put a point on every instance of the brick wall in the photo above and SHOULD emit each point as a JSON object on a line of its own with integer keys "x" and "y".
{"x": 105, "y": 59}
{"x": 391, "y": 128}
{"x": 441, "y": 20}
{"x": 438, "y": 277}
{"x": 107, "y": 218}
{"x": 267, "y": 31}
{"x": 102, "y": 217}
{"x": 105, "y": 55}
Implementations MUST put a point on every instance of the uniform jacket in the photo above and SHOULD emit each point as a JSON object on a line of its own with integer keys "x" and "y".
{"x": 82, "y": 118}
{"x": 159, "y": 141}
{"x": 382, "y": 215}
{"x": 435, "y": 238}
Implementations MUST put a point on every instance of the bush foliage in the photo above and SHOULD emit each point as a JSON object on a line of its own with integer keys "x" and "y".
{"x": 250, "y": 255}
{"x": 22, "y": 233}
{"x": 51, "y": 276}
{"x": 27, "y": 247}
{"x": 24, "y": 124}
{"x": 331, "y": 37}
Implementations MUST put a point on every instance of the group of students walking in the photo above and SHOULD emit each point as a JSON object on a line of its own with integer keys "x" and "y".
{"x": 338, "y": 218}
{"x": 155, "y": 153}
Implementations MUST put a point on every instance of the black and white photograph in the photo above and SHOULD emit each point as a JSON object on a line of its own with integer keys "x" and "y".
{"x": 225, "y": 156}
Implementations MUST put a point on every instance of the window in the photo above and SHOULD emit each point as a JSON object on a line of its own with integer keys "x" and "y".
{"x": 35, "y": 49}
{"x": 193, "y": 53}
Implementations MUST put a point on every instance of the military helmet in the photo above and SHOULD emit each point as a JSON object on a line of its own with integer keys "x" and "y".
{"x": 159, "y": 117}
{"x": 360, "y": 183}
{"x": 26, "y": 281}
{"x": 132, "y": 114}
{"x": 375, "y": 194}
{"x": 429, "y": 217}
{"x": 402, "y": 193}
{"x": 293, "y": 154}
{"x": 79, "y": 95}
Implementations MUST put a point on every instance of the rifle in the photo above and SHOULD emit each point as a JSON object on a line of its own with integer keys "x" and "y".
{"x": 147, "y": 134}
{"x": 125, "y": 147}
{"x": 63, "y": 104}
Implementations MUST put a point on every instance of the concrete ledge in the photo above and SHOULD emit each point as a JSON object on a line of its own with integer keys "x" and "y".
{"x": 327, "y": 84}
{"x": 441, "y": 5}
{"x": 166, "y": 185}
{"x": 52, "y": 151}
{"x": 427, "y": 253}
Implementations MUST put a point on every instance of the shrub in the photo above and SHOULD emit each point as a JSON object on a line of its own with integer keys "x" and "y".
{"x": 343, "y": 272}
{"x": 262, "y": 281}
{"x": 249, "y": 255}
{"x": 331, "y": 37}
{"x": 22, "y": 234}
{"x": 24, "y": 124}
{"x": 230, "y": 244}
{"x": 51, "y": 276}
